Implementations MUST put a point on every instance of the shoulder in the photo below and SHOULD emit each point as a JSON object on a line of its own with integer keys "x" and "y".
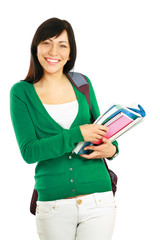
{"x": 18, "y": 87}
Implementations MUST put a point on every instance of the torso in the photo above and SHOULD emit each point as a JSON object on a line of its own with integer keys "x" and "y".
{"x": 62, "y": 94}
{"x": 77, "y": 196}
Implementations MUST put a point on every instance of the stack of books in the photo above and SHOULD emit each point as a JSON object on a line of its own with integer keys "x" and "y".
{"x": 118, "y": 119}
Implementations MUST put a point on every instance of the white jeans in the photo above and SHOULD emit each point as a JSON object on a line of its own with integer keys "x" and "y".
{"x": 90, "y": 217}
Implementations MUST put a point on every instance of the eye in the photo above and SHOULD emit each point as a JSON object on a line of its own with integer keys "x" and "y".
{"x": 46, "y": 43}
{"x": 63, "y": 46}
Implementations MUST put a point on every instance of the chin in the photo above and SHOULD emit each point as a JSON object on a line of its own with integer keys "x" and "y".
{"x": 48, "y": 71}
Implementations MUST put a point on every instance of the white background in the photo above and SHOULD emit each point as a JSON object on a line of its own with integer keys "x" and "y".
{"x": 119, "y": 50}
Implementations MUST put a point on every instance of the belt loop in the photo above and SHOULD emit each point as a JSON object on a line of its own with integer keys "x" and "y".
{"x": 95, "y": 199}
{"x": 55, "y": 203}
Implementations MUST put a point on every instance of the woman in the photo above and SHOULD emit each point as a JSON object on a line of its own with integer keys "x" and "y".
{"x": 50, "y": 116}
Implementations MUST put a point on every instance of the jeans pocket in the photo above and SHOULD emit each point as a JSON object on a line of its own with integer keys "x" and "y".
{"x": 105, "y": 199}
{"x": 44, "y": 210}
{"x": 107, "y": 203}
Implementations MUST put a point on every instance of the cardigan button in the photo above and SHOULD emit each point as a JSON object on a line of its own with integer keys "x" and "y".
{"x": 73, "y": 190}
{"x": 70, "y": 157}
{"x": 71, "y": 169}
{"x": 72, "y": 180}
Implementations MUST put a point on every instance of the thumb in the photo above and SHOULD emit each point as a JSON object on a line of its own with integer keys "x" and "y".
{"x": 105, "y": 140}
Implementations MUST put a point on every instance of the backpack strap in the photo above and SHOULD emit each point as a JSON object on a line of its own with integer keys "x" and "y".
{"x": 82, "y": 85}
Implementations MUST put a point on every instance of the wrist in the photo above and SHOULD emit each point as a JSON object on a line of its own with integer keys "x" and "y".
{"x": 114, "y": 153}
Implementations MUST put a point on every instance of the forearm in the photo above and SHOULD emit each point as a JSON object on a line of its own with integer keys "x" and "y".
{"x": 36, "y": 150}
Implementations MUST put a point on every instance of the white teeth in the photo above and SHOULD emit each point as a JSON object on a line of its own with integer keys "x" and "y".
{"x": 52, "y": 60}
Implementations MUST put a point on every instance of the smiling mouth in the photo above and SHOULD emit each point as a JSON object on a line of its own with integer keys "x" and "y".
{"x": 52, "y": 61}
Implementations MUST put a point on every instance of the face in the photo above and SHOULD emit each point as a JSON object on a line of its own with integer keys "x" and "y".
{"x": 53, "y": 53}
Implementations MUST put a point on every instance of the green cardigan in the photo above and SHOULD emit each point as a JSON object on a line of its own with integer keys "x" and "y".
{"x": 59, "y": 173}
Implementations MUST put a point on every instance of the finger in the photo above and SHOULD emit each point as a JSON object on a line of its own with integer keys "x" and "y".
{"x": 94, "y": 155}
{"x": 105, "y": 140}
{"x": 85, "y": 156}
{"x": 98, "y": 137}
{"x": 91, "y": 148}
{"x": 90, "y": 156}
{"x": 102, "y": 127}
{"x": 102, "y": 133}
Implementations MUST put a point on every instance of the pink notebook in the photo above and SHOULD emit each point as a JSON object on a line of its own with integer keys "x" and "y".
{"x": 116, "y": 126}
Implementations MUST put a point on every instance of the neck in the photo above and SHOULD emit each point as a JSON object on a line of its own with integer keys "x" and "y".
{"x": 52, "y": 80}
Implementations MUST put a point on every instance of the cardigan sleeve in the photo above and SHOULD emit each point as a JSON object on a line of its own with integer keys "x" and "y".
{"x": 33, "y": 149}
{"x": 95, "y": 109}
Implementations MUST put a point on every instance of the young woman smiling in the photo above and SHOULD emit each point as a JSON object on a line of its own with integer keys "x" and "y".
{"x": 50, "y": 116}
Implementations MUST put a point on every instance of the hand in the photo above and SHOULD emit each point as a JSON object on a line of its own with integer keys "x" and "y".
{"x": 93, "y": 132}
{"x": 104, "y": 150}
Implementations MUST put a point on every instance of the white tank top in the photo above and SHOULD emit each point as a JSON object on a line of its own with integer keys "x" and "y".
{"x": 63, "y": 114}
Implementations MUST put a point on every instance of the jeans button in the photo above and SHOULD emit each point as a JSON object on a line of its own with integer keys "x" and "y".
{"x": 79, "y": 201}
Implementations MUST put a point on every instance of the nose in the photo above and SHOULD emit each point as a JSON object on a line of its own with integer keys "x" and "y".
{"x": 53, "y": 50}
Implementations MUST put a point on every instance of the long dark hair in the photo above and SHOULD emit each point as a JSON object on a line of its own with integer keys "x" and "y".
{"x": 50, "y": 28}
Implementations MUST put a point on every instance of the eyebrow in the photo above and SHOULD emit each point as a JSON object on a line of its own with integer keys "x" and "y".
{"x": 59, "y": 41}
{"x": 63, "y": 41}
